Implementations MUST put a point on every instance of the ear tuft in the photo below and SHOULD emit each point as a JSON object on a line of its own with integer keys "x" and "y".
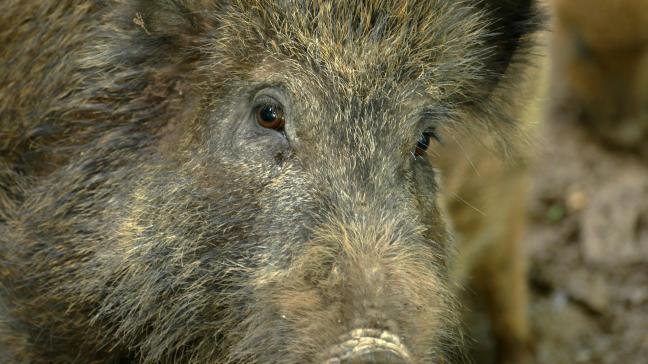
{"x": 164, "y": 17}
{"x": 159, "y": 31}
{"x": 511, "y": 22}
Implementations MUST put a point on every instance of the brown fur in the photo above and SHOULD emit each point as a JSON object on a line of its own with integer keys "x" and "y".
{"x": 146, "y": 217}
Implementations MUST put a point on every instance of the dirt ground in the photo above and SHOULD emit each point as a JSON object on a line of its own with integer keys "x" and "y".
{"x": 587, "y": 243}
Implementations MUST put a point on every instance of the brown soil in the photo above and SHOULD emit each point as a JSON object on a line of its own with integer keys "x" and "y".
{"x": 587, "y": 243}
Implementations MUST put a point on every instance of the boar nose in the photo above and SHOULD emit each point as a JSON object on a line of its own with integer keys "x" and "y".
{"x": 376, "y": 357}
{"x": 369, "y": 346}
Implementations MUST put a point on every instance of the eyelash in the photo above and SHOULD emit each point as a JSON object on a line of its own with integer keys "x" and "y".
{"x": 426, "y": 139}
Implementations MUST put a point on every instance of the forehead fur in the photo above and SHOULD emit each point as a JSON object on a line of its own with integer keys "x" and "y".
{"x": 440, "y": 44}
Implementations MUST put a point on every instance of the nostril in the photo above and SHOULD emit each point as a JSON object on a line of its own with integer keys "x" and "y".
{"x": 376, "y": 357}
{"x": 368, "y": 346}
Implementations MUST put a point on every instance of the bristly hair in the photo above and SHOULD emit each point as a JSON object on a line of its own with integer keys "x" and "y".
{"x": 470, "y": 56}
{"x": 451, "y": 46}
{"x": 460, "y": 50}
{"x": 131, "y": 69}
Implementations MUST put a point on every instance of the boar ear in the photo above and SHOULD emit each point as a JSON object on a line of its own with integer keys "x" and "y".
{"x": 173, "y": 18}
{"x": 511, "y": 23}
{"x": 158, "y": 31}
{"x": 161, "y": 43}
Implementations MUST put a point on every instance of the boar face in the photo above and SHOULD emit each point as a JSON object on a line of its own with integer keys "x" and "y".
{"x": 284, "y": 209}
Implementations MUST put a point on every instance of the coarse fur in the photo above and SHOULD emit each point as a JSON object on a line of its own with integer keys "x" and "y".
{"x": 146, "y": 217}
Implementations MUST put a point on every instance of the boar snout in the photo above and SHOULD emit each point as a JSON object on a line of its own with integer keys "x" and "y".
{"x": 363, "y": 291}
{"x": 369, "y": 346}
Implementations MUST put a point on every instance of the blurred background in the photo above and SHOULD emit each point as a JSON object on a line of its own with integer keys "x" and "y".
{"x": 587, "y": 238}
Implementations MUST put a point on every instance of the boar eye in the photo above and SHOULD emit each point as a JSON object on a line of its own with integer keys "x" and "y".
{"x": 425, "y": 141}
{"x": 270, "y": 116}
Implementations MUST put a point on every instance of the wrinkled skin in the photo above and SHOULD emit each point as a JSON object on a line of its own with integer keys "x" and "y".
{"x": 146, "y": 216}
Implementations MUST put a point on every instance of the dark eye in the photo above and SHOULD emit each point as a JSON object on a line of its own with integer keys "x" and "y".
{"x": 270, "y": 116}
{"x": 425, "y": 140}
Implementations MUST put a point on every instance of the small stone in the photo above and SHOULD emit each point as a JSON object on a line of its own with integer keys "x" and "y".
{"x": 559, "y": 301}
{"x": 590, "y": 289}
{"x": 612, "y": 222}
{"x": 576, "y": 201}
{"x": 584, "y": 356}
